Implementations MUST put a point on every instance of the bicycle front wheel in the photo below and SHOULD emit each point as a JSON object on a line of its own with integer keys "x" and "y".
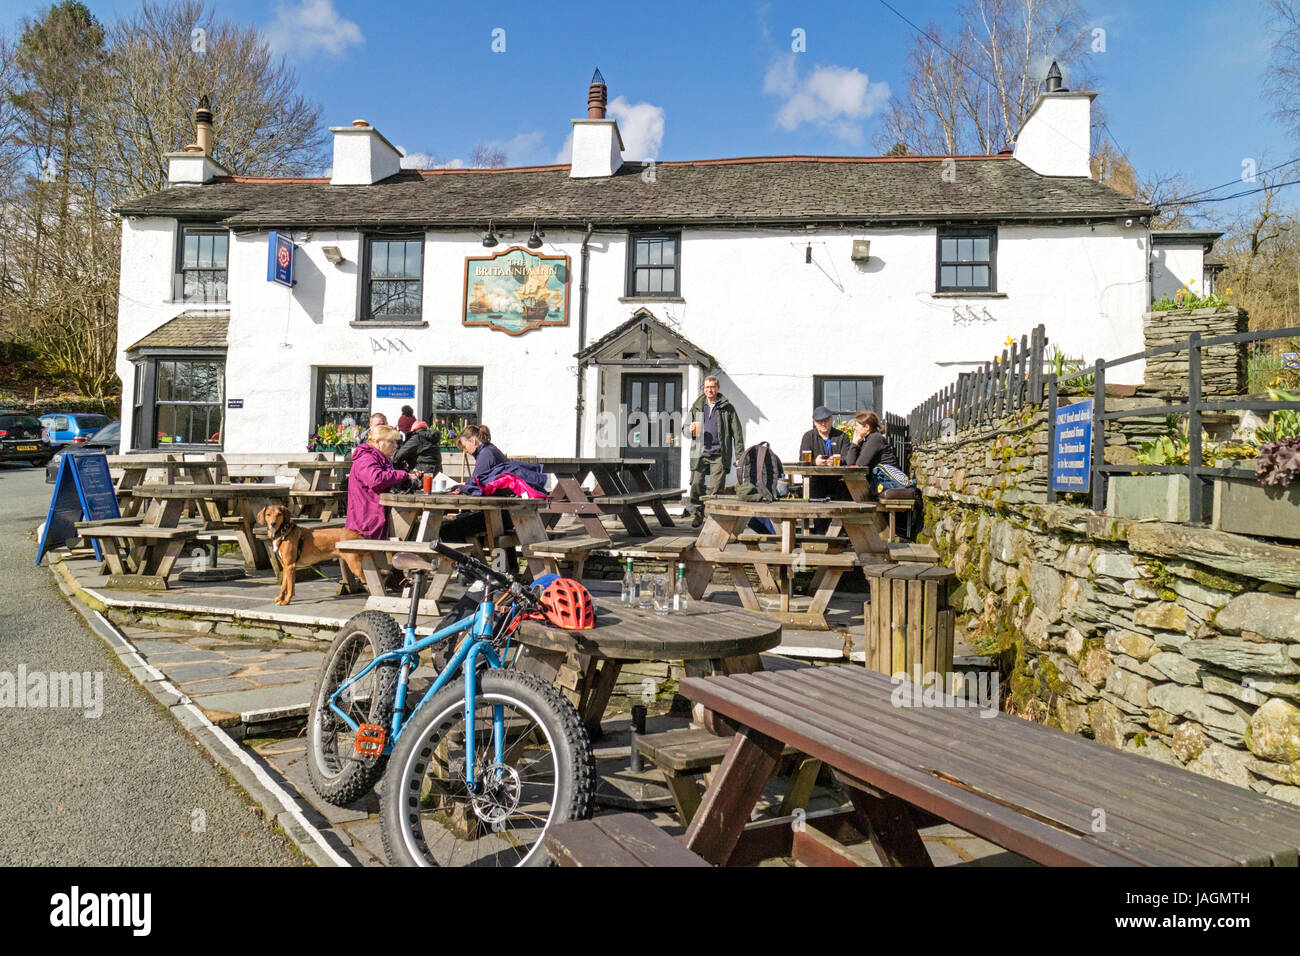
{"x": 429, "y": 815}
{"x": 337, "y": 773}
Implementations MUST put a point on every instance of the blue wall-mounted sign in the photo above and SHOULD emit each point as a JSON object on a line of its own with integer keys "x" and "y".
{"x": 279, "y": 259}
{"x": 1072, "y": 447}
{"x": 394, "y": 391}
{"x": 234, "y": 403}
{"x": 83, "y": 491}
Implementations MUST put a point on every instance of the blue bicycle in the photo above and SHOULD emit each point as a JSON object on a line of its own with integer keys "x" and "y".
{"x": 485, "y": 763}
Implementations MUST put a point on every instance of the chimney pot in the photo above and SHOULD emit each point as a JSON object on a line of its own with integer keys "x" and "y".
{"x": 596, "y": 97}
{"x": 359, "y": 122}
{"x": 202, "y": 128}
{"x": 1053, "y": 84}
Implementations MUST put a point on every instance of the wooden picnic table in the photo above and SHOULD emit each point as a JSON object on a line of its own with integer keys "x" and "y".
{"x": 725, "y": 516}
{"x": 1027, "y": 787}
{"x": 416, "y": 516}
{"x": 858, "y": 481}
{"x": 167, "y": 502}
{"x": 618, "y": 497}
{"x": 709, "y": 638}
{"x": 318, "y": 492}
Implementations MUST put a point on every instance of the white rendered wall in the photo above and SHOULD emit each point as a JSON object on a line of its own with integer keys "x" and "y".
{"x": 1176, "y": 267}
{"x": 772, "y": 321}
{"x": 1055, "y": 139}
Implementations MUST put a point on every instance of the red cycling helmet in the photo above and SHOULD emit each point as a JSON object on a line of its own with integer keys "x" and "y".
{"x": 567, "y": 604}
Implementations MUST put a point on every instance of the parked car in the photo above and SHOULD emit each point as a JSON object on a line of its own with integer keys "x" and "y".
{"x": 22, "y": 438}
{"x": 73, "y": 428}
{"x": 103, "y": 442}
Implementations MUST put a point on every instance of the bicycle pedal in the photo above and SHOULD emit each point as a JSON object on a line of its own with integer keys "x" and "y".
{"x": 370, "y": 740}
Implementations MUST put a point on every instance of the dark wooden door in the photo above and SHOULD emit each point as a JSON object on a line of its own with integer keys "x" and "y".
{"x": 652, "y": 422}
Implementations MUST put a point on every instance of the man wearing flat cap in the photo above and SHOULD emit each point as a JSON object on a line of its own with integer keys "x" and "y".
{"x": 824, "y": 440}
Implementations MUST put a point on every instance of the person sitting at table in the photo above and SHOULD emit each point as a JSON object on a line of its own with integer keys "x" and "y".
{"x": 821, "y": 442}
{"x": 422, "y": 449}
{"x": 406, "y": 420}
{"x": 870, "y": 450}
{"x": 373, "y": 473}
{"x": 493, "y": 475}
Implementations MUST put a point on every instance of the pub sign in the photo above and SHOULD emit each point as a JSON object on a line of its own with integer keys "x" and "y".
{"x": 516, "y": 291}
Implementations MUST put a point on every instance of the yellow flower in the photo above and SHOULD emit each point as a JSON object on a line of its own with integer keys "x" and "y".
{"x": 1009, "y": 342}
{"x": 997, "y": 359}
{"x": 1191, "y": 282}
{"x": 1229, "y": 292}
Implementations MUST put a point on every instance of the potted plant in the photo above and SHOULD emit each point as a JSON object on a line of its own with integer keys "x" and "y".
{"x": 449, "y": 426}
{"x": 1269, "y": 506}
{"x": 331, "y": 437}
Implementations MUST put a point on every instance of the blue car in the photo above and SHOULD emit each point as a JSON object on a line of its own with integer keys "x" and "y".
{"x": 72, "y": 428}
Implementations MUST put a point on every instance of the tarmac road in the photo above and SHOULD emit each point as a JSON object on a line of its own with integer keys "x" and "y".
{"x": 126, "y": 788}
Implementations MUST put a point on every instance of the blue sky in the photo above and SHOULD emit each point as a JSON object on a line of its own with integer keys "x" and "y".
{"x": 1179, "y": 81}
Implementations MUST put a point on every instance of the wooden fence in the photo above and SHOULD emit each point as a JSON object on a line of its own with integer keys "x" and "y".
{"x": 994, "y": 391}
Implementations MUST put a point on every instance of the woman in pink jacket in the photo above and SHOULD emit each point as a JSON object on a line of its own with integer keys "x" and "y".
{"x": 373, "y": 473}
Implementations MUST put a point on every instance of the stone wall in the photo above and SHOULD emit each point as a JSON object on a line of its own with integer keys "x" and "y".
{"x": 1223, "y": 367}
{"x": 1179, "y": 643}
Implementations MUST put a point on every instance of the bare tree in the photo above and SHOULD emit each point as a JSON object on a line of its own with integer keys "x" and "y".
{"x": 1282, "y": 82}
{"x": 157, "y": 70}
{"x": 970, "y": 87}
{"x": 487, "y": 156}
{"x": 1261, "y": 252}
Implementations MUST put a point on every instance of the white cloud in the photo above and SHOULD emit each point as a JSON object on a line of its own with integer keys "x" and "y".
{"x": 836, "y": 98}
{"x": 565, "y": 155}
{"x": 418, "y": 160}
{"x": 310, "y": 27}
{"x": 641, "y": 125}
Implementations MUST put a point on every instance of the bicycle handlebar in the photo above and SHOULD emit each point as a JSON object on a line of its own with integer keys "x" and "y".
{"x": 468, "y": 562}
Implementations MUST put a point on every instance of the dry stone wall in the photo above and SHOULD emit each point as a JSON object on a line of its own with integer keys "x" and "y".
{"x": 1179, "y": 643}
{"x": 1223, "y": 367}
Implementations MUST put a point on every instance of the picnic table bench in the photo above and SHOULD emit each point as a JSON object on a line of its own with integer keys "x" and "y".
{"x": 669, "y": 548}
{"x": 618, "y": 496}
{"x": 619, "y": 839}
{"x": 1029, "y": 788}
{"x": 418, "y": 516}
{"x": 138, "y": 556}
{"x": 167, "y": 502}
{"x": 376, "y": 563}
{"x": 726, "y": 516}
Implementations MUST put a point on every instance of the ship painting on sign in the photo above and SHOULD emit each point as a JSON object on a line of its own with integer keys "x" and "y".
{"x": 516, "y": 290}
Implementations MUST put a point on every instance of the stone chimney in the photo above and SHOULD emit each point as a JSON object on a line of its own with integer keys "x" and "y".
{"x": 362, "y": 155}
{"x": 1055, "y": 138}
{"x": 597, "y": 145}
{"x": 194, "y": 165}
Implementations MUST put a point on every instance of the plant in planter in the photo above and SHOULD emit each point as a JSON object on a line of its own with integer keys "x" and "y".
{"x": 332, "y": 437}
{"x": 1185, "y": 298}
{"x": 449, "y": 426}
{"x": 1279, "y": 463}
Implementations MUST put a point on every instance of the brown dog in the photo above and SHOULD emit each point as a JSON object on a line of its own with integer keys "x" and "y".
{"x": 302, "y": 547}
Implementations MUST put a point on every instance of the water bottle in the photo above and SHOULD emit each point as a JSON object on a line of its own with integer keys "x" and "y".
{"x": 680, "y": 597}
{"x": 628, "y": 598}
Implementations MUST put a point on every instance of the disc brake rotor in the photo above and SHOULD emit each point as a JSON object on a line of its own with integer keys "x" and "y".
{"x": 499, "y": 792}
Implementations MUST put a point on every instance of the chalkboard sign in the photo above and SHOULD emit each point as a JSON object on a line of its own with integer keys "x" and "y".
{"x": 1072, "y": 447}
{"x": 83, "y": 491}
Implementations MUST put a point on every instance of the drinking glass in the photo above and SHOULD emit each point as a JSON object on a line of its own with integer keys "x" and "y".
{"x": 661, "y": 589}
{"x": 645, "y": 598}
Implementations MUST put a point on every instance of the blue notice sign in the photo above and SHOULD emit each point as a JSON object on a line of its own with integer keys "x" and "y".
{"x": 279, "y": 259}
{"x": 394, "y": 391}
{"x": 1072, "y": 447}
{"x": 83, "y": 491}
{"x": 234, "y": 403}
{"x": 1291, "y": 360}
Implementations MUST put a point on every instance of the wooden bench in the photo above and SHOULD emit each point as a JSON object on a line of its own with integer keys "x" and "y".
{"x": 686, "y": 754}
{"x": 375, "y": 569}
{"x": 910, "y": 553}
{"x": 620, "y": 839}
{"x": 571, "y": 549}
{"x": 669, "y": 548}
{"x": 150, "y": 553}
{"x": 637, "y": 497}
{"x": 1029, "y": 788}
{"x": 625, "y": 506}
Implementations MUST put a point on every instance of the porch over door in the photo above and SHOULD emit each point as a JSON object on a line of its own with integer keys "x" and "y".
{"x": 651, "y": 424}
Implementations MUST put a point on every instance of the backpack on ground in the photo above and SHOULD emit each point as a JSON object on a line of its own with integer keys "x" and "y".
{"x": 760, "y": 467}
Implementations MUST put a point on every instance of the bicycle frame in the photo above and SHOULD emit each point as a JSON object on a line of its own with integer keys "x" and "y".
{"x": 476, "y": 644}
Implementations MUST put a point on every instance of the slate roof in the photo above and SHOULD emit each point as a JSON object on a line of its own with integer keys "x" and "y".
{"x": 189, "y": 330}
{"x": 790, "y": 189}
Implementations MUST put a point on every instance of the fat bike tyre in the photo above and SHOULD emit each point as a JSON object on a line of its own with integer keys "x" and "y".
{"x": 427, "y": 815}
{"x": 336, "y": 772}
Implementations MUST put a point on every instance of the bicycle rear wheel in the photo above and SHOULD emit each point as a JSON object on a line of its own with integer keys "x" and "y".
{"x": 428, "y": 815}
{"x": 337, "y": 773}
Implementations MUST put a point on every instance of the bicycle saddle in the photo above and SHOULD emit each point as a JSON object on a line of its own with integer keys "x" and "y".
{"x": 406, "y": 561}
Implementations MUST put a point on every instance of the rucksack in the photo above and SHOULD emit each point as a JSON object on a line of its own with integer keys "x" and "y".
{"x": 760, "y": 467}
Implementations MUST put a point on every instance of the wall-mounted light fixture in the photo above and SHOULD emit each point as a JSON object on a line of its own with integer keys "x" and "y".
{"x": 333, "y": 254}
{"x": 489, "y": 237}
{"x": 535, "y": 240}
{"x": 861, "y": 250}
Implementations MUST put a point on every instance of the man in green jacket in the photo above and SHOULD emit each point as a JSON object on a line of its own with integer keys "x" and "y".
{"x": 717, "y": 441}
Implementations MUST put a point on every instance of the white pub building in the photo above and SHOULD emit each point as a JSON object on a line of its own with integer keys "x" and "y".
{"x": 552, "y": 303}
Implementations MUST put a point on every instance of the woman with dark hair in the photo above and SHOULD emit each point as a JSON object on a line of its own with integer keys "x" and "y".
{"x": 493, "y": 475}
{"x": 406, "y": 420}
{"x": 870, "y": 450}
